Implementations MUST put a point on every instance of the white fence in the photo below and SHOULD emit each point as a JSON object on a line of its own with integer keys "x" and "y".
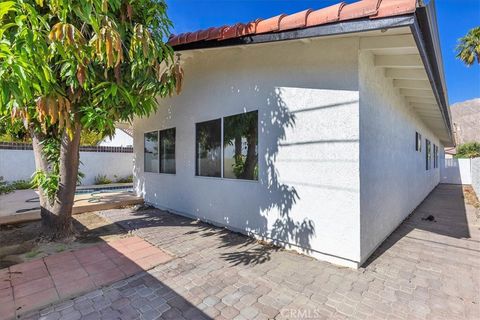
{"x": 18, "y": 164}
{"x": 456, "y": 171}
{"x": 476, "y": 175}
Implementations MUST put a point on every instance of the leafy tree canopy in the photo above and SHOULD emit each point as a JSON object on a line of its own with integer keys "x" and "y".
{"x": 468, "y": 150}
{"x": 73, "y": 66}
{"x": 468, "y": 48}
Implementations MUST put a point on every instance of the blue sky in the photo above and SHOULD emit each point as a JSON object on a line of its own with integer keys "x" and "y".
{"x": 455, "y": 18}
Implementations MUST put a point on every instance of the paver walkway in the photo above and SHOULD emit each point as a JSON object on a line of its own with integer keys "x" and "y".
{"x": 34, "y": 284}
{"x": 425, "y": 270}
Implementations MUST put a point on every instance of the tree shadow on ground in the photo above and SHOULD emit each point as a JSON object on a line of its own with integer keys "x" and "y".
{"x": 266, "y": 214}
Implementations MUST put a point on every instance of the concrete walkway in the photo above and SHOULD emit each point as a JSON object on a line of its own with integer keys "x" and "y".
{"x": 23, "y": 205}
{"x": 425, "y": 270}
{"x": 30, "y": 285}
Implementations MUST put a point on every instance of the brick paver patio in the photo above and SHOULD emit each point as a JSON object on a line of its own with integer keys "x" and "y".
{"x": 28, "y": 286}
{"x": 424, "y": 270}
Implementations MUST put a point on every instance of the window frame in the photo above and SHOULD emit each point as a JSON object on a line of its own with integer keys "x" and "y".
{"x": 160, "y": 150}
{"x": 222, "y": 177}
{"x": 197, "y": 150}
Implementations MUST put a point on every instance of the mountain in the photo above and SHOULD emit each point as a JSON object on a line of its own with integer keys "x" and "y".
{"x": 466, "y": 121}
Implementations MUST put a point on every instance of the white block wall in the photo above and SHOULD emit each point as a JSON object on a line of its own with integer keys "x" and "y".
{"x": 393, "y": 176}
{"x": 308, "y": 188}
{"x": 476, "y": 175}
{"x": 456, "y": 171}
{"x": 20, "y": 165}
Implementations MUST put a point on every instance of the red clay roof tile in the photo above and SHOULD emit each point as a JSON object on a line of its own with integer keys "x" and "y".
{"x": 192, "y": 37}
{"x": 325, "y": 15}
{"x": 295, "y": 21}
{"x": 372, "y": 9}
{"x": 203, "y": 34}
{"x": 395, "y": 8}
{"x": 216, "y": 33}
{"x": 269, "y": 25}
{"x": 359, "y": 9}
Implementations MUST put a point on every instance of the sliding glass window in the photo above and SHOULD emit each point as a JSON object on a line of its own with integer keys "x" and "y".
{"x": 208, "y": 148}
{"x": 167, "y": 151}
{"x": 240, "y": 146}
{"x": 151, "y": 151}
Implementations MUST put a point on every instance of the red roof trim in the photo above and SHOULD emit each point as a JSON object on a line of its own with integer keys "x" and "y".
{"x": 372, "y": 9}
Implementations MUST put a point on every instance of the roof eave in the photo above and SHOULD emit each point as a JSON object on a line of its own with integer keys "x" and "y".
{"x": 425, "y": 32}
{"x": 423, "y": 26}
{"x": 336, "y": 28}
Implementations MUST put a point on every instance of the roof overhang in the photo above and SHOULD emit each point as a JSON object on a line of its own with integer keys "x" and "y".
{"x": 412, "y": 58}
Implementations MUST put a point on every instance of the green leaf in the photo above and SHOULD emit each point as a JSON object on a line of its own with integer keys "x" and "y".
{"x": 5, "y": 7}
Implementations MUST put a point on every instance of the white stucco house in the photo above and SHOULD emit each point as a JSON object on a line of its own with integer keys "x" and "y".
{"x": 320, "y": 131}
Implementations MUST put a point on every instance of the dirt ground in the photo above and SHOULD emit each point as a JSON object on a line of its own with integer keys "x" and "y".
{"x": 24, "y": 242}
{"x": 471, "y": 197}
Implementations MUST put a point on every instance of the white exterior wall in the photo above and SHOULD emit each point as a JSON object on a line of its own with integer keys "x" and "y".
{"x": 308, "y": 189}
{"x": 393, "y": 179}
{"x": 20, "y": 165}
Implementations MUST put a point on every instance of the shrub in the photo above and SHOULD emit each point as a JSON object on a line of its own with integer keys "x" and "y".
{"x": 21, "y": 185}
{"x": 468, "y": 150}
{"x": 102, "y": 179}
{"x": 127, "y": 179}
{"x": 5, "y": 187}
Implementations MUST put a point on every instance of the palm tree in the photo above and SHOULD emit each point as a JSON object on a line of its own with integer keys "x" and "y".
{"x": 468, "y": 48}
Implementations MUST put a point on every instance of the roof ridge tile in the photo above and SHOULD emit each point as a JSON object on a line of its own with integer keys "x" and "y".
{"x": 373, "y": 9}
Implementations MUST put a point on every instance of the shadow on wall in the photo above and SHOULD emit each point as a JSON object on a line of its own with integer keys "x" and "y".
{"x": 272, "y": 218}
{"x": 276, "y": 196}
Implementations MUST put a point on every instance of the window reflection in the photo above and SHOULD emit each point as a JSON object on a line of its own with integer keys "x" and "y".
{"x": 240, "y": 146}
{"x": 151, "y": 152}
{"x": 208, "y": 154}
{"x": 167, "y": 151}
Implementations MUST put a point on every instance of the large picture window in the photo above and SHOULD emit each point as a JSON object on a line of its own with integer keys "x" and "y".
{"x": 167, "y": 151}
{"x": 208, "y": 148}
{"x": 150, "y": 142}
{"x": 240, "y": 146}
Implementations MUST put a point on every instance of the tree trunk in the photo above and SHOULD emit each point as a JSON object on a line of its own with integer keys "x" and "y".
{"x": 251, "y": 158}
{"x": 57, "y": 214}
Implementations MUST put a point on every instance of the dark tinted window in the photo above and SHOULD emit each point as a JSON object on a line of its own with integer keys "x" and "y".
{"x": 208, "y": 153}
{"x": 418, "y": 142}
{"x": 427, "y": 154}
{"x": 151, "y": 151}
{"x": 240, "y": 146}
{"x": 167, "y": 151}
